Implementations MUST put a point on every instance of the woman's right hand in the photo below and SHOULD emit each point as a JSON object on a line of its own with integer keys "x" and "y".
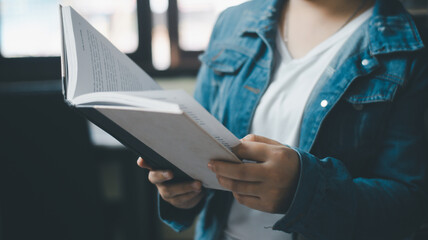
{"x": 184, "y": 195}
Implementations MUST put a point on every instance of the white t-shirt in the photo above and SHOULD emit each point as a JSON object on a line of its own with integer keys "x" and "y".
{"x": 278, "y": 116}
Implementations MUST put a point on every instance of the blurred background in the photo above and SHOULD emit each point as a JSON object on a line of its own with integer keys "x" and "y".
{"x": 61, "y": 177}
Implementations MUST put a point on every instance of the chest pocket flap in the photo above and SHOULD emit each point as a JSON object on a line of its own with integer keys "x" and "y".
{"x": 224, "y": 61}
{"x": 370, "y": 90}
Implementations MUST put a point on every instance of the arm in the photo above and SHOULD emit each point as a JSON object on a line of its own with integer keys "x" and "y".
{"x": 390, "y": 202}
{"x": 181, "y": 200}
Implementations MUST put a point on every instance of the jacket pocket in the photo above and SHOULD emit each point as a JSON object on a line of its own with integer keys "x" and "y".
{"x": 371, "y": 90}
{"x": 225, "y": 73}
{"x": 224, "y": 61}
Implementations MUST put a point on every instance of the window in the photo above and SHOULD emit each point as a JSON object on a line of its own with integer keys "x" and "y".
{"x": 30, "y": 33}
{"x": 30, "y": 28}
{"x": 181, "y": 30}
{"x": 198, "y": 16}
{"x": 165, "y": 37}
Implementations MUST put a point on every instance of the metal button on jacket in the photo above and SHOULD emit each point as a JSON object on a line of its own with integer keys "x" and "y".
{"x": 365, "y": 62}
{"x": 324, "y": 103}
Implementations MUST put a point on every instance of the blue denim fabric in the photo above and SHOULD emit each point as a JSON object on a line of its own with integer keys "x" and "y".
{"x": 363, "y": 156}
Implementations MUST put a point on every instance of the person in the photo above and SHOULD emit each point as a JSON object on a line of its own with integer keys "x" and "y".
{"x": 333, "y": 93}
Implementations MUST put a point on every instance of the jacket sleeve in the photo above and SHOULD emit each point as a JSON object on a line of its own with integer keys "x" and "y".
{"x": 389, "y": 203}
{"x": 178, "y": 219}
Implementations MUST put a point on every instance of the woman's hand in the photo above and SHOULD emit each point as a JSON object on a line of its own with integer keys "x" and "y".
{"x": 184, "y": 195}
{"x": 268, "y": 185}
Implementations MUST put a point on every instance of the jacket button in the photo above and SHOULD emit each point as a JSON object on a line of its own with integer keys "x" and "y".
{"x": 324, "y": 103}
{"x": 365, "y": 62}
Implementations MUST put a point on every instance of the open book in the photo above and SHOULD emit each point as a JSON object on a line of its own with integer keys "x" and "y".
{"x": 168, "y": 128}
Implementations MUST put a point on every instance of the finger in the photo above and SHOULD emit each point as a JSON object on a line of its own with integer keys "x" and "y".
{"x": 246, "y": 188}
{"x": 251, "y": 172}
{"x": 187, "y": 201}
{"x": 159, "y": 176}
{"x": 255, "y": 151}
{"x": 143, "y": 164}
{"x": 261, "y": 139}
{"x": 249, "y": 201}
{"x": 173, "y": 190}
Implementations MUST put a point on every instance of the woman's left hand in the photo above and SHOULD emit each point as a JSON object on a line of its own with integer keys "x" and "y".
{"x": 268, "y": 185}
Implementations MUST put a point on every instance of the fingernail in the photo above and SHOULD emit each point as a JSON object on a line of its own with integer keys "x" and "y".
{"x": 211, "y": 166}
{"x": 248, "y": 137}
{"x": 196, "y": 186}
{"x": 167, "y": 175}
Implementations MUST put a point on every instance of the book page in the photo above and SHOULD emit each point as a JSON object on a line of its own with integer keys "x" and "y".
{"x": 101, "y": 67}
{"x": 128, "y": 99}
{"x": 194, "y": 111}
{"x": 175, "y": 137}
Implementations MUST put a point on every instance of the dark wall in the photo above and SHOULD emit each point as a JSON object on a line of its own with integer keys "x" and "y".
{"x": 49, "y": 176}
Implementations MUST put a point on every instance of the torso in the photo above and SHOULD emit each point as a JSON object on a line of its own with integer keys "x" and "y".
{"x": 278, "y": 116}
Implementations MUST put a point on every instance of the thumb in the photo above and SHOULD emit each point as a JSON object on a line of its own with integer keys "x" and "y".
{"x": 143, "y": 164}
{"x": 257, "y": 138}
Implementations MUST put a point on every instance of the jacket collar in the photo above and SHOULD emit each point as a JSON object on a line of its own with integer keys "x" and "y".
{"x": 261, "y": 17}
{"x": 391, "y": 29}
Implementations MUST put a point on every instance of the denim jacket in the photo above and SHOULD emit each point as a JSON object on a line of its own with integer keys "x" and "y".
{"x": 363, "y": 152}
